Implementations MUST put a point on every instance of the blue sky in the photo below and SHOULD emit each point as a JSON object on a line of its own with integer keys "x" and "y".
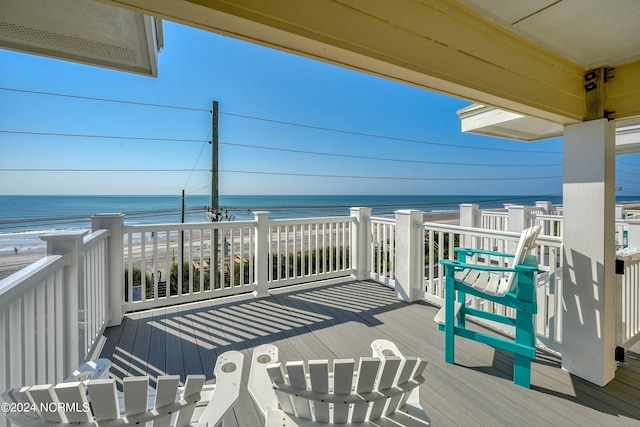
{"x": 197, "y": 67}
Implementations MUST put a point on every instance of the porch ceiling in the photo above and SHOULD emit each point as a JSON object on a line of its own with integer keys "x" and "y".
{"x": 528, "y": 58}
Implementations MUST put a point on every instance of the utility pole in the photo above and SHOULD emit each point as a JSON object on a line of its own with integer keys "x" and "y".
{"x": 215, "y": 204}
{"x": 214, "y": 157}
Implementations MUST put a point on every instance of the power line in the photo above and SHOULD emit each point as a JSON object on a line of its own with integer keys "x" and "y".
{"x": 78, "y": 135}
{"x": 98, "y": 170}
{"x": 117, "y": 101}
{"x": 387, "y": 137}
{"x": 287, "y": 123}
{"x": 320, "y": 153}
{"x": 278, "y": 173}
{"x": 386, "y": 177}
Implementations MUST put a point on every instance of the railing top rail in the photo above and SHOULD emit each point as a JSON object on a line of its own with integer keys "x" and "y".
{"x": 21, "y": 282}
{"x": 552, "y": 217}
{"x": 94, "y": 238}
{"x": 315, "y": 220}
{"x": 494, "y": 212}
{"x": 384, "y": 220}
{"x": 187, "y": 226}
{"x": 482, "y": 232}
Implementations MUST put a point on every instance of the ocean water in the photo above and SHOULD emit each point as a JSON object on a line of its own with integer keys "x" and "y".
{"x": 24, "y": 218}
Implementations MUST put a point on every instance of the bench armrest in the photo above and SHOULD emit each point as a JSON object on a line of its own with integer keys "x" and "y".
{"x": 462, "y": 265}
{"x": 470, "y": 251}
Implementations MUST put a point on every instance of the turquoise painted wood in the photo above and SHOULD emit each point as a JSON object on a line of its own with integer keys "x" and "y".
{"x": 461, "y": 278}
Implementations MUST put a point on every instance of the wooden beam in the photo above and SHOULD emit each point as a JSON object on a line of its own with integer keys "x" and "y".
{"x": 439, "y": 45}
{"x": 623, "y": 91}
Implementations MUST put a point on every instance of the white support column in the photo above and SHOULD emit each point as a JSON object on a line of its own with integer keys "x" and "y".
{"x": 70, "y": 242}
{"x": 620, "y": 212}
{"x": 261, "y": 284}
{"x": 409, "y": 254}
{"x": 114, "y": 222}
{"x": 589, "y": 282}
{"x": 361, "y": 242}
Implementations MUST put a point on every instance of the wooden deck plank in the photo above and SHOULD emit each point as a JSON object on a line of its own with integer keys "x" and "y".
{"x": 340, "y": 320}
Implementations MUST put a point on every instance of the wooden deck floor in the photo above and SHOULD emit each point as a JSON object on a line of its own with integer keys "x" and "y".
{"x": 340, "y": 321}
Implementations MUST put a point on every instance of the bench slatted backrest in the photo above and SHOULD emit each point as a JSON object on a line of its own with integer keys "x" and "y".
{"x": 344, "y": 395}
{"x": 105, "y": 404}
{"x": 526, "y": 244}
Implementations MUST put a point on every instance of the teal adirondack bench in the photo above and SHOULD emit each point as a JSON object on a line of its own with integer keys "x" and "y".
{"x": 512, "y": 286}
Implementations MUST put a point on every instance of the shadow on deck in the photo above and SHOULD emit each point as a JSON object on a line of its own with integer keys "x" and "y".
{"x": 340, "y": 321}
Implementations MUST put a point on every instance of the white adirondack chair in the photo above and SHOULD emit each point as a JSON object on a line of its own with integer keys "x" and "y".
{"x": 374, "y": 391}
{"x": 96, "y": 403}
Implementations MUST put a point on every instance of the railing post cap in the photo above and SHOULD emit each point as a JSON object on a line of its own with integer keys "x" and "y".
{"x": 109, "y": 215}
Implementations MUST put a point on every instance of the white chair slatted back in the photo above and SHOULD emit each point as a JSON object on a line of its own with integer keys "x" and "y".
{"x": 136, "y": 395}
{"x": 104, "y": 399}
{"x": 368, "y": 369}
{"x": 165, "y": 394}
{"x": 342, "y": 382}
{"x": 297, "y": 376}
{"x": 277, "y": 377}
{"x": 319, "y": 377}
{"x": 76, "y": 408}
{"x": 191, "y": 394}
{"x": 45, "y": 395}
{"x": 378, "y": 388}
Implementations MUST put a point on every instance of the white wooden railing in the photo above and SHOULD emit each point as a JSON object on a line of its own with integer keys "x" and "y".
{"x": 168, "y": 264}
{"x": 219, "y": 259}
{"x": 551, "y": 224}
{"x": 383, "y": 250}
{"x": 53, "y": 311}
{"x": 308, "y": 250}
{"x": 628, "y": 299}
{"x": 494, "y": 219}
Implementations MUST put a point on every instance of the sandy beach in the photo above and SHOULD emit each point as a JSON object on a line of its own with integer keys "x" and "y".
{"x": 11, "y": 263}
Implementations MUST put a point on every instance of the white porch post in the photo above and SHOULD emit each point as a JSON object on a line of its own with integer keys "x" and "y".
{"x": 262, "y": 243}
{"x": 519, "y": 218}
{"x": 588, "y": 329}
{"x": 470, "y": 217}
{"x": 114, "y": 222}
{"x": 70, "y": 242}
{"x": 634, "y": 234}
{"x": 409, "y": 254}
{"x": 361, "y": 242}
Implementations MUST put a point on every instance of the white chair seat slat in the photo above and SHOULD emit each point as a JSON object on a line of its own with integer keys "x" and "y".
{"x": 76, "y": 408}
{"x": 104, "y": 399}
{"x": 472, "y": 277}
{"x": 319, "y": 378}
{"x": 493, "y": 285}
{"x": 45, "y": 395}
{"x": 343, "y": 380}
{"x": 297, "y": 377}
{"x": 136, "y": 395}
{"x": 481, "y": 281}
